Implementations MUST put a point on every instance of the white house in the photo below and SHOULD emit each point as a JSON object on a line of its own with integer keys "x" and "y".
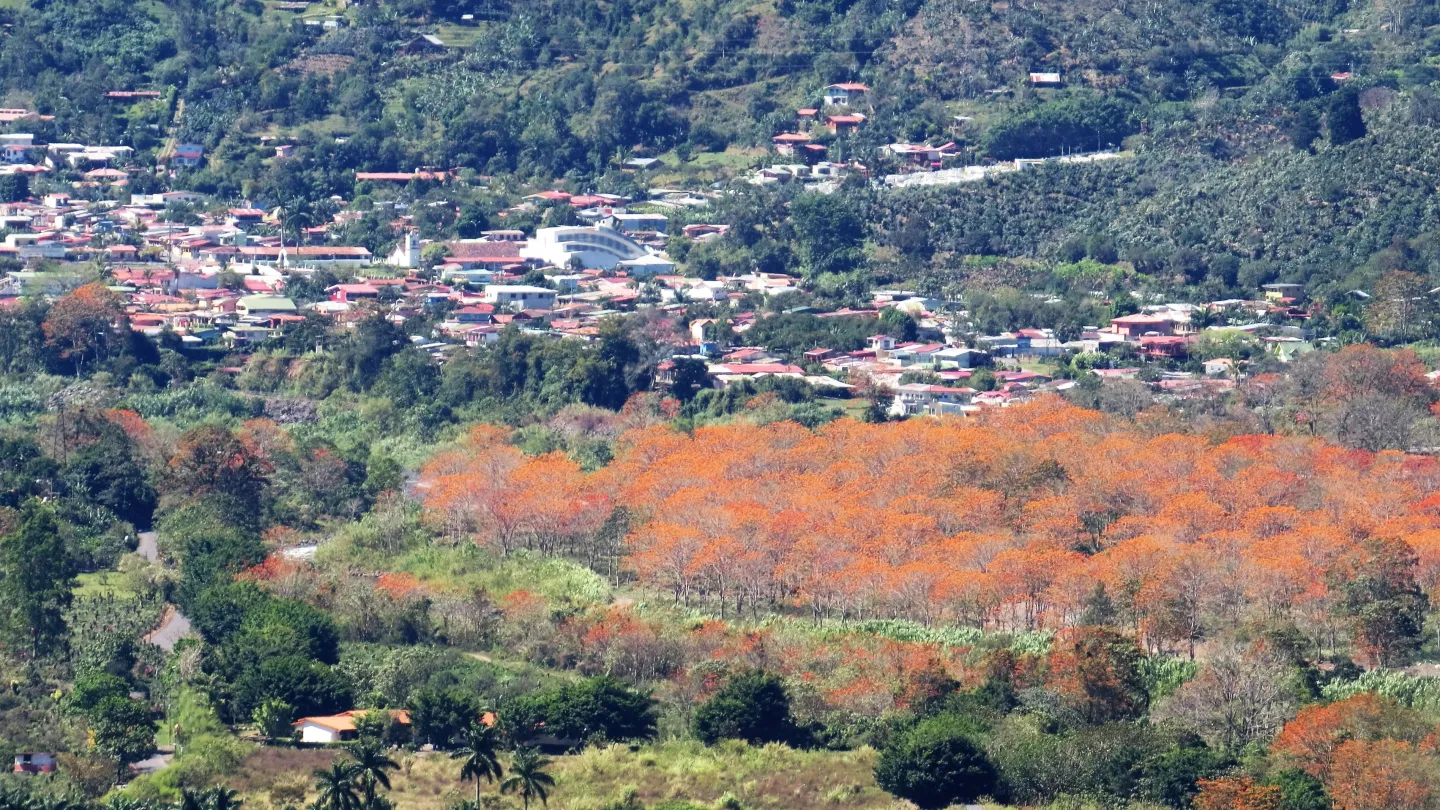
{"x": 15, "y": 147}
{"x": 845, "y": 94}
{"x": 913, "y": 399}
{"x": 339, "y": 727}
{"x": 34, "y": 762}
{"x": 598, "y": 246}
{"x": 519, "y": 296}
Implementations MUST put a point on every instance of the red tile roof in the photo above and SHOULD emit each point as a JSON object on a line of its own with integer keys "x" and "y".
{"x": 481, "y": 250}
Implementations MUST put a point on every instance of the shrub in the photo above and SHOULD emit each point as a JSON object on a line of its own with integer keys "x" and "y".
{"x": 754, "y": 707}
{"x": 600, "y": 709}
{"x": 936, "y": 764}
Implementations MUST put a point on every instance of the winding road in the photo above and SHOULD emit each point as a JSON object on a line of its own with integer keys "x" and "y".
{"x": 173, "y": 624}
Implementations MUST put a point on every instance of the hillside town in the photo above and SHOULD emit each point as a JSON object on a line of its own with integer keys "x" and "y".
{"x": 229, "y": 281}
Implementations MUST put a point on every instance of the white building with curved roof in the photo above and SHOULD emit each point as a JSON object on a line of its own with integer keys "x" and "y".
{"x": 595, "y": 246}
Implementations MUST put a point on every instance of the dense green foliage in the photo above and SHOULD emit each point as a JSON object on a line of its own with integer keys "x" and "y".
{"x": 936, "y": 764}
{"x": 752, "y": 706}
{"x": 600, "y": 710}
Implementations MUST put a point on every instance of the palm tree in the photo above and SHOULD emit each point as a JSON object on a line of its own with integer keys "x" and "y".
{"x": 528, "y": 777}
{"x": 337, "y": 786}
{"x": 192, "y": 799}
{"x": 219, "y": 798}
{"x": 370, "y": 766}
{"x": 481, "y": 759}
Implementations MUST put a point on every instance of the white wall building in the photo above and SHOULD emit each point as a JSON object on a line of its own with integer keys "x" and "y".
{"x": 519, "y": 296}
{"x": 597, "y": 246}
{"x": 407, "y": 253}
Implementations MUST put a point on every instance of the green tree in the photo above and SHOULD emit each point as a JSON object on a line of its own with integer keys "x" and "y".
{"x": 93, "y": 687}
{"x": 438, "y": 716}
{"x": 371, "y": 764}
{"x": 1304, "y": 129}
{"x": 1074, "y": 124}
{"x": 828, "y": 232}
{"x": 1343, "y": 121}
{"x": 1172, "y": 777}
{"x": 371, "y": 725}
{"x": 936, "y": 764}
{"x": 595, "y": 708}
{"x": 14, "y": 187}
{"x": 368, "y": 346}
{"x": 37, "y": 575}
{"x": 106, "y": 470}
{"x": 123, "y": 730}
{"x": 753, "y": 706}
{"x": 1301, "y": 791}
{"x": 337, "y": 786}
{"x": 528, "y": 777}
{"x": 272, "y": 718}
{"x": 310, "y": 686}
{"x": 691, "y": 376}
{"x": 479, "y": 757}
{"x": 898, "y": 324}
{"x": 216, "y": 798}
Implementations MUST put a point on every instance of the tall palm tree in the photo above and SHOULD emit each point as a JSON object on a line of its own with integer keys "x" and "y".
{"x": 337, "y": 786}
{"x": 482, "y": 761}
{"x": 192, "y": 799}
{"x": 528, "y": 777}
{"x": 220, "y": 798}
{"x": 371, "y": 763}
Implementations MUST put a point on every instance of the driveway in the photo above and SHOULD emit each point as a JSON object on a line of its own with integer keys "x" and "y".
{"x": 173, "y": 624}
{"x": 148, "y": 547}
{"x": 173, "y": 627}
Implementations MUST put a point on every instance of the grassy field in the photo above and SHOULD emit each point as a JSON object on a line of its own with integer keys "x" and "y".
{"x": 703, "y": 165}
{"x": 458, "y": 36}
{"x": 853, "y": 407}
{"x": 99, "y": 583}
{"x": 673, "y": 772}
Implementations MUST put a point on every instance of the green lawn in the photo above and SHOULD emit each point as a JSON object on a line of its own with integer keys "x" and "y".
{"x": 458, "y": 36}
{"x": 854, "y": 407}
{"x": 1038, "y": 366}
{"x": 99, "y": 583}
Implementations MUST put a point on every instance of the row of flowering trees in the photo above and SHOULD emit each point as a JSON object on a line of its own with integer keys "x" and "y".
{"x": 1041, "y": 516}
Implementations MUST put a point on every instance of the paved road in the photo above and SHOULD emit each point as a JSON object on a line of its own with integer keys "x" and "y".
{"x": 157, "y": 762}
{"x": 148, "y": 548}
{"x": 174, "y": 626}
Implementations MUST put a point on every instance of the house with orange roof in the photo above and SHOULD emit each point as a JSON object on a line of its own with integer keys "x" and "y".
{"x": 844, "y": 94}
{"x": 339, "y": 727}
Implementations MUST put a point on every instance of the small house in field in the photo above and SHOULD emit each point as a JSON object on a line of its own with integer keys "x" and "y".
{"x": 34, "y": 762}
{"x": 1045, "y": 79}
{"x": 339, "y": 727}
